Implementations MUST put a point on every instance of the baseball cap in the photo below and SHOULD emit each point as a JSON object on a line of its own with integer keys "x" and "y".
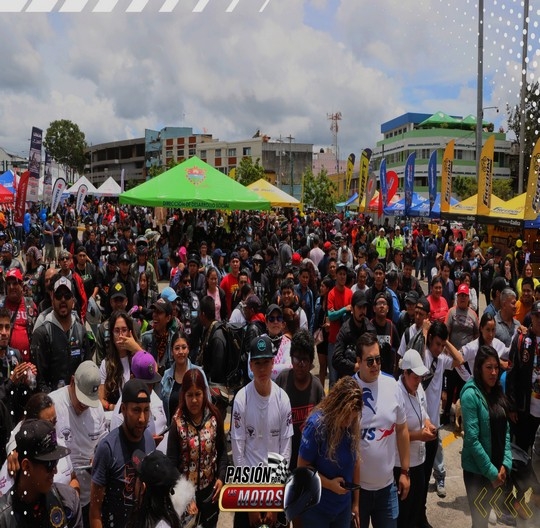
{"x": 327, "y": 245}
{"x": 87, "y": 380}
{"x": 143, "y": 367}
{"x": 14, "y": 273}
{"x": 36, "y": 440}
{"x": 155, "y": 469}
{"x": 411, "y": 360}
{"x": 235, "y": 255}
{"x": 463, "y": 290}
{"x": 254, "y": 303}
{"x": 381, "y": 230}
{"x": 7, "y": 248}
{"x": 118, "y": 290}
{"x": 193, "y": 258}
{"x": 132, "y": 389}
{"x": 296, "y": 259}
{"x": 162, "y": 305}
{"x": 261, "y": 348}
{"x": 273, "y": 308}
{"x": 34, "y": 252}
{"x": 62, "y": 281}
{"x": 257, "y": 256}
{"x": 423, "y": 304}
{"x": 342, "y": 267}
{"x": 124, "y": 257}
{"x": 359, "y": 298}
{"x": 458, "y": 248}
{"x": 169, "y": 294}
{"x": 217, "y": 253}
{"x": 412, "y": 297}
{"x": 535, "y": 308}
{"x": 112, "y": 258}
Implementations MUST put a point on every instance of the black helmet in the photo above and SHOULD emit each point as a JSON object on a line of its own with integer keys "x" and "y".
{"x": 302, "y": 491}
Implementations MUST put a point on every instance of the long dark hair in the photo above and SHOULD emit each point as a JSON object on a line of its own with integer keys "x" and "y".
{"x": 484, "y": 320}
{"x": 114, "y": 380}
{"x": 496, "y": 395}
{"x": 154, "y": 506}
{"x": 194, "y": 378}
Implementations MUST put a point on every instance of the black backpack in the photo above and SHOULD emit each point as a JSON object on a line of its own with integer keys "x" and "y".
{"x": 236, "y": 359}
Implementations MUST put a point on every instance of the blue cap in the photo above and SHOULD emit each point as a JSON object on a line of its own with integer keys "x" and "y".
{"x": 169, "y": 294}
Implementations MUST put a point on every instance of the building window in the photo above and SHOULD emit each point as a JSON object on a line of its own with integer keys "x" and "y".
{"x": 218, "y": 153}
{"x": 246, "y": 151}
{"x": 192, "y": 152}
{"x": 203, "y": 153}
{"x": 168, "y": 153}
{"x": 180, "y": 152}
{"x": 231, "y": 152}
{"x": 459, "y": 154}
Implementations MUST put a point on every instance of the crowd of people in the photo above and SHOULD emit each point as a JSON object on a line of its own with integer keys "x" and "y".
{"x": 100, "y": 361}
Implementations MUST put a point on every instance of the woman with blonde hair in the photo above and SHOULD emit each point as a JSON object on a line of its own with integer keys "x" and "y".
{"x": 330, "y": 444}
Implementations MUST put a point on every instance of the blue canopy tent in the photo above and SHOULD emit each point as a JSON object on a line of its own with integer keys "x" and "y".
{"x": 351, "y": 200}
{"x": 6, "y": 180}
{"x": 398, "y": 208}
{"x": 423, "y": 208}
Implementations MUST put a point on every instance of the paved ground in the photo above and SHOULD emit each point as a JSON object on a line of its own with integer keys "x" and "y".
{"x": 453, "y": 510}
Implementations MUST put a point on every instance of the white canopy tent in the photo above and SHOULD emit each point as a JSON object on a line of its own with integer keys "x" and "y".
{"x": 108, "y": 188}
{"x": 74, "y": 189}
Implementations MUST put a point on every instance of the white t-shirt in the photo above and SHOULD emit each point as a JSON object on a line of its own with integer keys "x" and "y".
{"x": 434, "y": 390}
{"x": 282, "y": 359}
{"x": 403, "y": 344}
{"x": 125, "y": 366}
{"x": 383, "y": 409}
{"x": 470, "y": 350}
{"x": 260, "y": 425}
{"x": 416, "y": 411}
{"x": 81, "y": 434}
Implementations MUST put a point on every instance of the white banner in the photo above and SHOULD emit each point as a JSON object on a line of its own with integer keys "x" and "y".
{"x": 58, "y": 188}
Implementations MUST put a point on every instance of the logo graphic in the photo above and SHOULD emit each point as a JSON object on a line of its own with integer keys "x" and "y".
{"x": 195, "y": 175}
{"x": 386, "y": 432}
{"x": 367, "y": 396}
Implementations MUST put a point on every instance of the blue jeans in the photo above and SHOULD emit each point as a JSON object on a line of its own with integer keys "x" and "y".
{"x": 333, "y": 377}
{"x": 381, "y": 506}
{"x": 315, "y": 517}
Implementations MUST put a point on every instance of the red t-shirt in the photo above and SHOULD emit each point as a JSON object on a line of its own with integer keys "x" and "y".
{"x": 229, "y": 285}
{"x": 438, "y": 310}
{"x": 337, "y": 300}
{"x": 19, "y": 335}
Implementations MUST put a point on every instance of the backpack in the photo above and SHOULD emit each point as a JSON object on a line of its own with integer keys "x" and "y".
{"x": 236, "y": 358}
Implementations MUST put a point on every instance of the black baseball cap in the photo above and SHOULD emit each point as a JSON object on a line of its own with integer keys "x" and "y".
{"x": 37, "y": 440}
{"x": 118, "y": 290}
{"x": 132, "y": 389}
{"x": 162, "y": 305}
{"x": 359, "y": 298}
{"x": 273, "y": 308}
{"x": 261, "y": 348}
{"x": 412, "y": 297}
{"x": 423, "y": 304}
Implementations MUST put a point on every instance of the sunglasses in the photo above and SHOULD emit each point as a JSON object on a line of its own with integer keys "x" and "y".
{"x": 275, "y": 319}
{"x": 63, "y": 295}
{"x": 50, "y": 465}
{"x": 65, "y": 258}
{"x": 301, "y": 361}
{"x": 186, "y": 282}
{"x": 370, "y": 361}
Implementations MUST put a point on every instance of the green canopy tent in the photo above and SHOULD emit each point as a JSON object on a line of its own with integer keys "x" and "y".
{"x": 194, "y": 184}
{"x": 439, "y": 120}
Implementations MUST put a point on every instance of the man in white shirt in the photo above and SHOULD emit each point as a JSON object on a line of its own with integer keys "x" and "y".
{"x": 81, "y": 423}
{"x": 384, "y": 431}
{"x": 262, "y": 423}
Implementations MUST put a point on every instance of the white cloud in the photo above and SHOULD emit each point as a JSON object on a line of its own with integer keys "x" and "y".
{"x": 231, "y": 74}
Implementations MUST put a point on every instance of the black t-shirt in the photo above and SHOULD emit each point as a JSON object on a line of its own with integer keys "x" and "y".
{"x": 302, "y": 402}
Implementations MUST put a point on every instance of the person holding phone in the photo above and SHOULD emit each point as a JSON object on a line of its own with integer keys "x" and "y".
{"x": 330, "y": 444}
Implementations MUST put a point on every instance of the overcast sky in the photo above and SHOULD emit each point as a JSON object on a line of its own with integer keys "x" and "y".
{"x": 281, "y": 70}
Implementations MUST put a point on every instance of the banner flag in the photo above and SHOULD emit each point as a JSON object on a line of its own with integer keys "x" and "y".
{"x": 432, "y": 179}
{"x": 446, "y": 176}
{"x": 350, "y": 166}
{"x": 58, "y": 188}
{"x": 34, "y": 164}
{"x": 370, "y": 190}
{"x": 408, "y": 184}
{"x": 532, "y": 200}
{"x": 47, "y": 179}
{"x": 81, "y": 195}
{"x": 485, "y": 178}
{"x": 121, "y": 181}
{"x": 392, "y": 183}
{"x": 363, "y": 174}
{"x": 20, "y": 200}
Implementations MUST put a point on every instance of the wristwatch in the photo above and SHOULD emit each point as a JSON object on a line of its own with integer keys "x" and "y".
{"x": 405, "y": 472}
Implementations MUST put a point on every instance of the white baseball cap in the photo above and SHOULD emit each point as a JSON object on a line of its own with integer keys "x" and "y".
{"x": 411, "y": 360}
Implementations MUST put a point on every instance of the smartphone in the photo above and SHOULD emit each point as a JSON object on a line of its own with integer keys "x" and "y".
{"x": 350, "y": 486}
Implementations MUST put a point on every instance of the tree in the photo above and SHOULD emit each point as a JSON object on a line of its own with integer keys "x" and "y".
{"x": 532, "y": 127}
{"x": 156, "y": 170}
{"x": 248, "y": 172}
{"x": 66, "y": 143}
{"x": 319, "y": 191}
{"x": 466, "y": 186}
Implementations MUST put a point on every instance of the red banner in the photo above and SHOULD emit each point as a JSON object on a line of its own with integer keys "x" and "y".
{"x": 20, "y": 202}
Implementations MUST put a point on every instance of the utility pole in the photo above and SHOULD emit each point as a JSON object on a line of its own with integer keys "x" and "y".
{"x": 290, "y": 138}
{"x": 522, "y": 95}
{"x": 479, "y": 85}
